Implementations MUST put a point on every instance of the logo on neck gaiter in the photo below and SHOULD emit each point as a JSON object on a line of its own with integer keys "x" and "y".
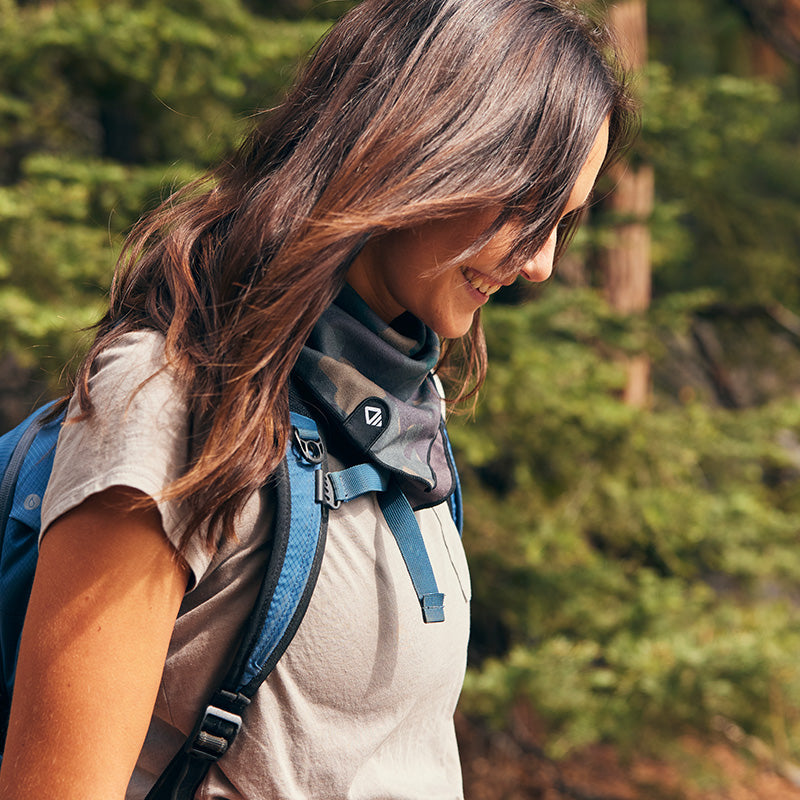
{"x": 368, "y": 420}
{"x": 373, "y": 416}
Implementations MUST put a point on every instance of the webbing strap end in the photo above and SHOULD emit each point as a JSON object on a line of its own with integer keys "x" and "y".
{"x": 433, "y": 607}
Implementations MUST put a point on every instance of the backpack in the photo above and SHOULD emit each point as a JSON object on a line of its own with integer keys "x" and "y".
{"x": 305, "y": 491}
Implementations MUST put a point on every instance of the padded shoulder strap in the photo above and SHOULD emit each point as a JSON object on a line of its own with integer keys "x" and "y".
{"x": 299, "y": 530}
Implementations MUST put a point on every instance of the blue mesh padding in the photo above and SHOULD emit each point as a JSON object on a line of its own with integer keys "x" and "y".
{"x": 304, "y": 528}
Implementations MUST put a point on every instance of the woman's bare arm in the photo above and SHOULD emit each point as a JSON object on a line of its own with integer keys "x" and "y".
{"x": 105, "y": 598}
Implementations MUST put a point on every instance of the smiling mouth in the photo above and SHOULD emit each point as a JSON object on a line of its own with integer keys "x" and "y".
{"x": 480, "y": 282}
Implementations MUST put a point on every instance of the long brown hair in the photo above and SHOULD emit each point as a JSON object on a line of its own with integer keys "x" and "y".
{"x": 408, "y": 110}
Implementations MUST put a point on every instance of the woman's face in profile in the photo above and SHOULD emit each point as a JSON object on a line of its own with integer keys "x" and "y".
{"x": 401, "y": 271}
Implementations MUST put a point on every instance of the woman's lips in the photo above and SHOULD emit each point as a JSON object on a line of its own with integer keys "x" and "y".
{"x": 480, "y": 282}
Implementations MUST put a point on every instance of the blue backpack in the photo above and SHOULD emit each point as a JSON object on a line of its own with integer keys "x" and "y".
{"x": 305, "y": 490}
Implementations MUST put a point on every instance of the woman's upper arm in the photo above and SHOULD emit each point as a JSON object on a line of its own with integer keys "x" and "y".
{"x": 106, "y": 594}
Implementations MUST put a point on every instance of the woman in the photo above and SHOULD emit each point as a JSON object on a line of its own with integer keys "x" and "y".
{"x": 432, "y": 151}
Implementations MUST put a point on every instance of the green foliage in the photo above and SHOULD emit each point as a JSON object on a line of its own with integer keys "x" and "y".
{"x": 635, "y": 572}
{"x": 104, "y": 109}
{"x": 140, "y": 82}
{"x": 728, "y": 186}
{"x": 641, "y": 566}
{"x": 696, "y": 39}
{"x": 294, "y": 9}
{"x": 60, "y": 230}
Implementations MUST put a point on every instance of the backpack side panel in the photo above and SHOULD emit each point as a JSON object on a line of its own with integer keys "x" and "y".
{"x": 19, "y": 534}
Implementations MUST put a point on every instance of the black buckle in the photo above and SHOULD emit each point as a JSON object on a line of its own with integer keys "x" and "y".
{"x": 215, "y": 733}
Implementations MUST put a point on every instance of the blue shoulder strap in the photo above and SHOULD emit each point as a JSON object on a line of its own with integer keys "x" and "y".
{"x": 300, "y": 524}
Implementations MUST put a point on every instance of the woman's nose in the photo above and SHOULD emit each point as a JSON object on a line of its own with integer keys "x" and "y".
{"x": 540, "y": 267}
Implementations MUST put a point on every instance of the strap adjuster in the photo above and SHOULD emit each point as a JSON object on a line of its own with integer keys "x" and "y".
{"x": 325, "y": 493}
{"x": 215, "y": 733}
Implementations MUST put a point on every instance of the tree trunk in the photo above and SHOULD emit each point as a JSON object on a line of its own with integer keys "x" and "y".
{"x": 628, "y": 271}
{"x": 627, "y": 260}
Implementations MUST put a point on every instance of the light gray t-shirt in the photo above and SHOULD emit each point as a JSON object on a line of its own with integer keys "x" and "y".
{"x": 361, "y": 704}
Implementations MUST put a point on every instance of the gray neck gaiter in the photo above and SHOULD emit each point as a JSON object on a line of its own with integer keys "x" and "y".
{"x": 374, "y": 382}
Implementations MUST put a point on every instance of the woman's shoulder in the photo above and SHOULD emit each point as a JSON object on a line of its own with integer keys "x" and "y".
{"x": 135, "y": 353}
{"x": 138, "y": 407}
{"x": 132, "y": 378}
{"x": 138, "y": 433}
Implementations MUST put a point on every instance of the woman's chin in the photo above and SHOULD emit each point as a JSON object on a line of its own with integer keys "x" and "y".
{"x": 454, "y": 328}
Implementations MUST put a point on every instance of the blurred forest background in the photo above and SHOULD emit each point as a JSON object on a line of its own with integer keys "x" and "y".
{"x": 632, "y": 472}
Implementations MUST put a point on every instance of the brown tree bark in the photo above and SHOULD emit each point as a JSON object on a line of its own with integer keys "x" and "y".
{"x": 627, "y": 260}
{"x": 628, "y": 269}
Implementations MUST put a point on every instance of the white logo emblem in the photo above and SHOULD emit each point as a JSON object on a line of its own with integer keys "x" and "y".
{"x": 373, "y": 416}
{"x": 32, "y": 501}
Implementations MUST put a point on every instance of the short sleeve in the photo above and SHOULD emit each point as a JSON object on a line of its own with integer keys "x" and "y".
{"x": 138, "y": 436}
